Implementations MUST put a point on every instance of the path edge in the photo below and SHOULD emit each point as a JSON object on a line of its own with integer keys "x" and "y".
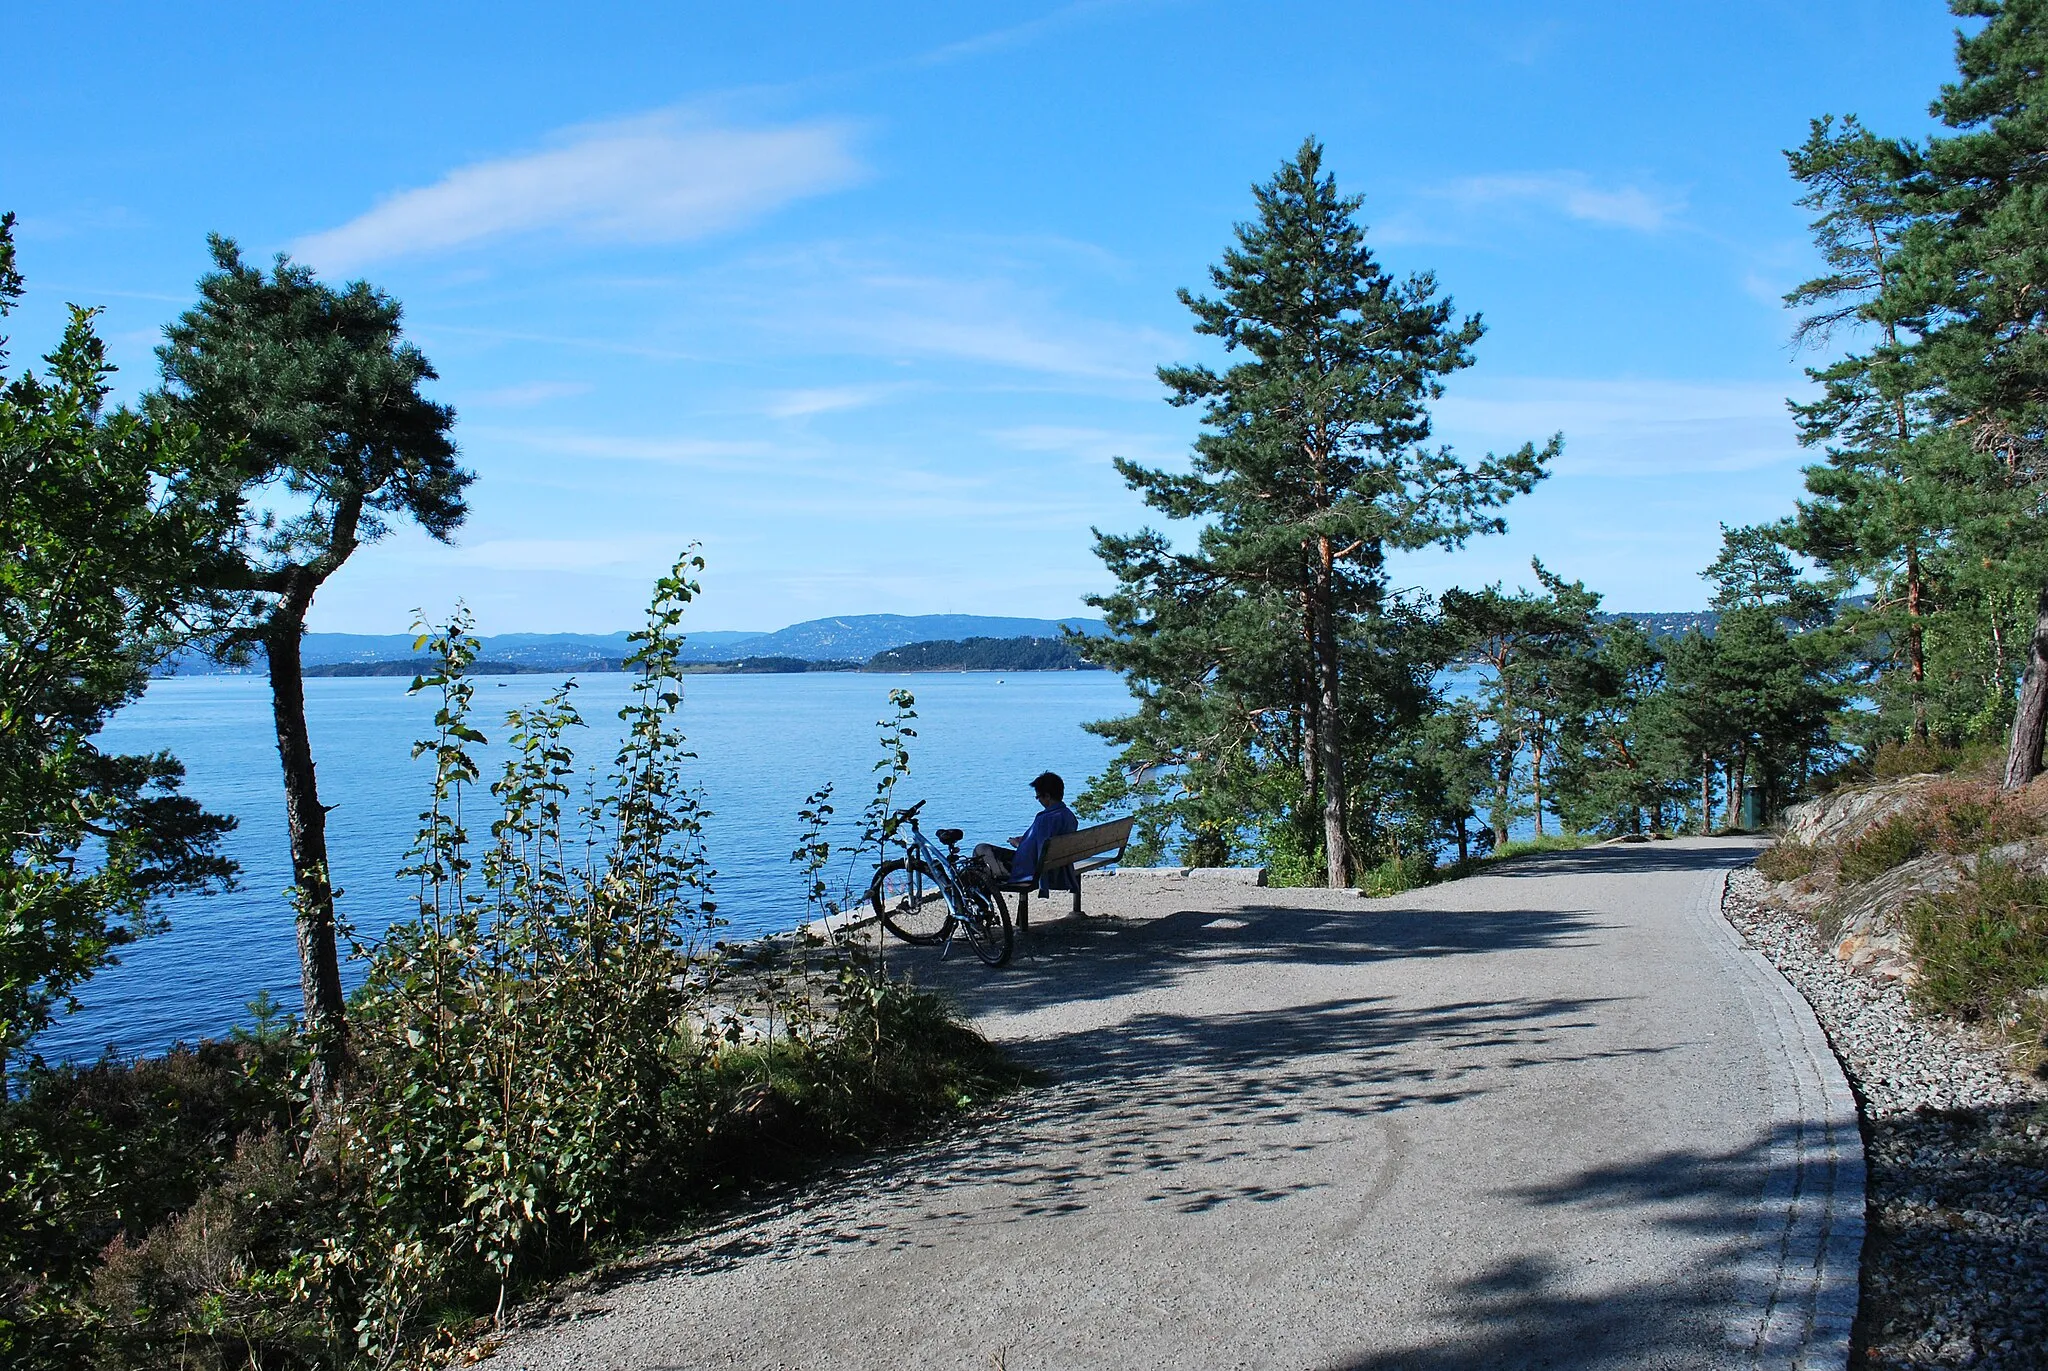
{"x": 1800, "y": 1281}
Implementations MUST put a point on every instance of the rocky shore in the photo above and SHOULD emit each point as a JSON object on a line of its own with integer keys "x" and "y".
{"x": 1955, "y": 1269}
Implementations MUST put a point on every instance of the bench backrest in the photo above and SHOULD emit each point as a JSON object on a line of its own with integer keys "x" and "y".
{"x": 1089, "y": 848}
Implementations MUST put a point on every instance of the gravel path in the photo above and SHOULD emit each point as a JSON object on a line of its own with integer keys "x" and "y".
{"x": 1537, "y": 1118}
{"x": 1956, "y": 1272}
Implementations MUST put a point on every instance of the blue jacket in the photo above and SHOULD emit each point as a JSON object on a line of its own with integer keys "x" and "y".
{"x": 1056, "y": 822}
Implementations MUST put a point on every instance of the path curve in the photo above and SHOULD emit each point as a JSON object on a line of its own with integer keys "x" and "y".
{"x": 1554, "y": 1116}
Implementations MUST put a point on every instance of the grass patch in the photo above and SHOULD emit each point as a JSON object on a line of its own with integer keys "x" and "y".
{"x": 1983, "y": 954}
{"x": 1394, "y": 877}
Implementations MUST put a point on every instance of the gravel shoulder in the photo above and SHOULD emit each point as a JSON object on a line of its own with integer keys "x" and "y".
{"x": 1955, "y": 1271}
{"x": 1535, "y": 1118}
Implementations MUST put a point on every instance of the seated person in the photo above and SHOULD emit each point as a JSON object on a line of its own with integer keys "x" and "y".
{"x": 1020, "y": 864}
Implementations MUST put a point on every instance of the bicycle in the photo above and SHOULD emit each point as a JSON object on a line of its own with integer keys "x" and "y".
{"x": 924, "y": 898}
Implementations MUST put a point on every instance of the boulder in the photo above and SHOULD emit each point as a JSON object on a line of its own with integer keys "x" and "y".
{"x": 1847, "y": 814}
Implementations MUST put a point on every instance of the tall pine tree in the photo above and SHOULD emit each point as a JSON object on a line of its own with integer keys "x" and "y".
{"x": 1314, "y": 463}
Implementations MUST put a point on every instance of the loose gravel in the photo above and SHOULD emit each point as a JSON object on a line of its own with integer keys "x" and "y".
{"x": 1955, "y": 1269}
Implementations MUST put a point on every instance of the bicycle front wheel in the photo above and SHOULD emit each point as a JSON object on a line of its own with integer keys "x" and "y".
{"x": 986, "y": 921}
{"x": 911, "y": 903}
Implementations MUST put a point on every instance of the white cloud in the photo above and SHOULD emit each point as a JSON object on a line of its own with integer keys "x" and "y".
{"x": 1627, "y": 428}
{"x": 798, "y": 404}
{"x": 653, "y": 179}
{"x": 1568, "y": 193}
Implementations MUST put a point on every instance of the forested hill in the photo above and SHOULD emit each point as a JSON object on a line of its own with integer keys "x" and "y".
{"x": 1674, "y": 624}
{"x": 982, "y": 654}
{"x": 854, "y": 638}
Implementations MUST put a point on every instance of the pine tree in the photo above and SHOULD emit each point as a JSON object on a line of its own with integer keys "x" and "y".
{"x": 1970, "y": 279}
{"x": 1313, "y": 465}
{"x": 306, "y": 397}
{"x": 1534, "y": 648}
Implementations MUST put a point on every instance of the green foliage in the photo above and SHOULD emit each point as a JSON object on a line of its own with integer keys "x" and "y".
{"x": 554, "y": 1053}
{"x": 1274, "y": 643}
{"x": 106, "y": 543}
{"x": 1788, "y": 861}
{"x": 1983, "y": 955}
{"x": 312, "y": 436}
{"x": 1890, "y": 844}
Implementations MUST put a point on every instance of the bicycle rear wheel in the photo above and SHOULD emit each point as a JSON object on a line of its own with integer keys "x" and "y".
{"x": 911, "y": 903}
{"x": 985, "y": 919}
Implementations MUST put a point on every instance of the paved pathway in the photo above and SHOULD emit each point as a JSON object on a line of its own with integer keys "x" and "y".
{"x": 1553, "y": 1117}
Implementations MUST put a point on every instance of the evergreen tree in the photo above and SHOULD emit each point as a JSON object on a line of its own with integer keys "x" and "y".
{"x": 315, "y": 434}
{"x": 1313, "y": 465}
{"x": 1875, "y": 511}
{"x": 1623, "y": 763}
{"x": 1760, "y": 695}
{"x": 1532, "y": 647}
{"x": 106, "y": 550}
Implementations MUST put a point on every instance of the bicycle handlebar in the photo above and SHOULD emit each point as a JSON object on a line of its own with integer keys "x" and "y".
{"x": 911, "y": 812}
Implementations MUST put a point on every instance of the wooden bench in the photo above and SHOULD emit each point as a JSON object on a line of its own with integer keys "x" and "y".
{"x": 1089, "y": 849}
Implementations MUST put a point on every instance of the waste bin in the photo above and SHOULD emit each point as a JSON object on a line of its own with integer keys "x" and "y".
{"x": 1752, "y": 808}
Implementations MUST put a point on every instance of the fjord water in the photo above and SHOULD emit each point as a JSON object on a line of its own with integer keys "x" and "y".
{"x": 763, "y": 742}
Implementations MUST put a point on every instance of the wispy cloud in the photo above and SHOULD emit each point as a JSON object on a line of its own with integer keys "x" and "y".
{"x": 1628, "y": 428}
{"x": 1571, "y": 194}
{"x": 652, "y": 179}
{"x": 801, "y": 404}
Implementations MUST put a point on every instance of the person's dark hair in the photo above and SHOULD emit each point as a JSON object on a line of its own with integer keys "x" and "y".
{"x": 1049, "y": 783}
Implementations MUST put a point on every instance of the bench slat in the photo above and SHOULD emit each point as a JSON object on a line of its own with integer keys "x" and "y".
{"x": 1101, "y": 840}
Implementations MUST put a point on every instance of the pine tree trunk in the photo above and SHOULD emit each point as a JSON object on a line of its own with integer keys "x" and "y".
{"x": 1916, "y": 643}
{"x": 1330, "y": 716}
{"x": 1536, "y": 773}
{"x": 306, "y": 819}
{"x": 1738, "y": 776}
{"x": 2023, "y": 757}
{"x": 1503, "y": 796}
{"x": 1706, "y": 795}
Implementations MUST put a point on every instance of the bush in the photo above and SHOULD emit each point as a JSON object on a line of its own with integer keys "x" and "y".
{"x": 1892, "y": 843}
{"x": 1955, "y": 819}
{"x": 1397, "y": 874}
{"x": 554, "y": 1053}
{"x": 1912, "y": 757}
{"x": 1983, "y": 954}
{"x": 1787, "y": 861}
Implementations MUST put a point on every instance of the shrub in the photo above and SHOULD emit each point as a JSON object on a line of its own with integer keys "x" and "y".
{"x": 1892, "y": 843}
{"x": 1912, "y": 757}
{"x": 1787, "y": 861}
{"x": 1983, "y": 953}
{"x": 554, "y": 1052}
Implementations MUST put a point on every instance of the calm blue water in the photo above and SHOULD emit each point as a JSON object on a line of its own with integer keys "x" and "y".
{"x": 763, "y": 744}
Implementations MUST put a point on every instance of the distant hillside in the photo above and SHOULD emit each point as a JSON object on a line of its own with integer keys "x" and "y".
{"x": 852, "y": 639}
{"x": 1668, "y": 624}
{"x": 861, "y": 636}
{"x": 982, "y": 654}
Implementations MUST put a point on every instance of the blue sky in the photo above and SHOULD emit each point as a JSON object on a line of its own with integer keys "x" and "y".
{"x": 864, "y": 298}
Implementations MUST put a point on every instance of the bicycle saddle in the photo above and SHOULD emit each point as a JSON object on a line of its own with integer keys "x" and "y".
{"x": 949, "y": 836}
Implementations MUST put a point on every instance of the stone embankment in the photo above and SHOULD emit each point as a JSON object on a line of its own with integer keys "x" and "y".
{"x": 1865, "y": 921}
{"x": 1955, "y": 1271}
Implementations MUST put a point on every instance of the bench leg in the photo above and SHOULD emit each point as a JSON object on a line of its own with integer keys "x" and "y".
{"x": 1077, "y": 894}
{"x": 1023, "y": 911}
